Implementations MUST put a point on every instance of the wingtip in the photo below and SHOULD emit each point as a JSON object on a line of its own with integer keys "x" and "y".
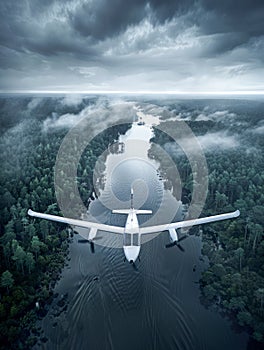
{"x": 30, "y": 212}
{"x": 237, "y": 213}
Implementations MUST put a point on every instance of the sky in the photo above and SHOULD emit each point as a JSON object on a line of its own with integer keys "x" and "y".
{"x": 133, "y": 46}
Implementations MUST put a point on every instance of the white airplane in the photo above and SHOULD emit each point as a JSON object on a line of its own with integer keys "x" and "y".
{"x": 132, "y": 232}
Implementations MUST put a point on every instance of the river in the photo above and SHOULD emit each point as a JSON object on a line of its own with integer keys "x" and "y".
{"x": 104, "y": 303}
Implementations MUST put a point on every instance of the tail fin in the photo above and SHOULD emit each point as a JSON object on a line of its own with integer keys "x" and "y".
{"x": 132, "y": 198}
{"x": 127, "y": 211}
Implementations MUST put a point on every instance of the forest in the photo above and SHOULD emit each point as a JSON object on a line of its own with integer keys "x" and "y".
{"x": 234, "y": 280}
{"x": 33, "y": 252}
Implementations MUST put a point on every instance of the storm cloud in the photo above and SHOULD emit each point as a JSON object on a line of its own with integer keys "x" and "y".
{"x": 156, "y": 45}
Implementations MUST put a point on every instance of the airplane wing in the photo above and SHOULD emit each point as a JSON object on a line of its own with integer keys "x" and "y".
{"x": 189, "y": 223}
{"x": 80, "y": 223}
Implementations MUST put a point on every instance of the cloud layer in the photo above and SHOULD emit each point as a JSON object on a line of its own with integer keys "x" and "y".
{"x": 132, "y": 45}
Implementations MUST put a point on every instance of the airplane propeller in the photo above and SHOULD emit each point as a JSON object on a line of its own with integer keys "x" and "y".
{"x": 90, "y": 241}
{"x": 92, "y": 246}
{"x": 176, "y": 243}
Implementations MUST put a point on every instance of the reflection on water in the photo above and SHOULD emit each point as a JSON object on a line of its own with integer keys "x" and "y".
{"x": 110, "y": 305}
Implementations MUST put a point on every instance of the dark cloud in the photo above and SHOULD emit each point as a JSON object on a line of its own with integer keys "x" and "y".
{"x": 32, "y": 24}
{"x": 101, "y": 42}
{"x": 166, "y": 10}
{"x": 244, "y": 17}
{"x": 235, "y": 8}
{"x": 103, "y": 18}
{"x": 58, "y": 38}
{"x": 100, "y": 19}
{"x": 37, "y": 6}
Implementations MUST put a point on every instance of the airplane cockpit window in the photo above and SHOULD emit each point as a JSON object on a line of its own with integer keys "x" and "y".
{"x": 127, "y": 239}
{"x": 131, "y": 239}
{"x": 136, "y": 239}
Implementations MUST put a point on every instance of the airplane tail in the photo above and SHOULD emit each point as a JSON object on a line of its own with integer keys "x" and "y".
{"x": 127, "y": 211}
{"x": 121, "y": 211}
{"x": 143, "y": 211}
{"x": 132, "y": 198}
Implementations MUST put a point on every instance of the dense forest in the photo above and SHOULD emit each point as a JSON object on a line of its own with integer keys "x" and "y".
{"x": 33, "y": 252}
{"x": 234, "y": 280}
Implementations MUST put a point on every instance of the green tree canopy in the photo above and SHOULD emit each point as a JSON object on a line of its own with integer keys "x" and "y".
{"x": 7, "y": 280}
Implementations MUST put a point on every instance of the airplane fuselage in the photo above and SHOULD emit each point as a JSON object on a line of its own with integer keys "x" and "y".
{"x": 131, "y": 244}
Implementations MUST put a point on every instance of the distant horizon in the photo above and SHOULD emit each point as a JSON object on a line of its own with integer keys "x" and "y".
{"x": 139, "y": 92}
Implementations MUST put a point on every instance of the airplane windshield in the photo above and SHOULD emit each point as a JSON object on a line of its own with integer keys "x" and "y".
{"x": 131, "y": 239}
{"x": 135, "y": 239}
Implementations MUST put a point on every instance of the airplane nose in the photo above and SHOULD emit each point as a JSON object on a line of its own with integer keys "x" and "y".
{"x": 131, "y": 253}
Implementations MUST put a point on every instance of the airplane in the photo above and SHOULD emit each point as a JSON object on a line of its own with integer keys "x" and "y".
{"x": 132, "y": 231}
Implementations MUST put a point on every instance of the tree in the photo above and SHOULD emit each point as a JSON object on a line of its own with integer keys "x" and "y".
{"x": 14, "y": 212}
{"x": 7, "y": 280}
{"x": 260, "y": 295}
{"x": 258, "y": 231}
{"x": 35, "y": 244}
{"x": 29, "y": 261}
{"x": 236, "y": 304}
{"x": 31, "y": 230}
{"x": 44, "y": 228}
{"x": 244, "y": 318}
{"x": 210, "y": 292}
{"x": 239, "y": 253}
{"x": 220, "y": 200}
{"x": 258, "y": 212}
{"x": 7, "y": 200}
{"x": 6, "y": 242}
{"x": 19, "y": 257}
{"x": 258, "y": 336}
{"x": 219, "y": 270}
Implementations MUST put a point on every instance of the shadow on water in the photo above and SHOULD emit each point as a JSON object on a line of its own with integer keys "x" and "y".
{"x": 111, "y": 305}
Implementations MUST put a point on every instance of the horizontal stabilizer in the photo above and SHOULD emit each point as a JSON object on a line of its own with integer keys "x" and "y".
{"x": 121, "y": 211}
{"x": 128, "y": 211}
{"x": 141, "y": 211}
